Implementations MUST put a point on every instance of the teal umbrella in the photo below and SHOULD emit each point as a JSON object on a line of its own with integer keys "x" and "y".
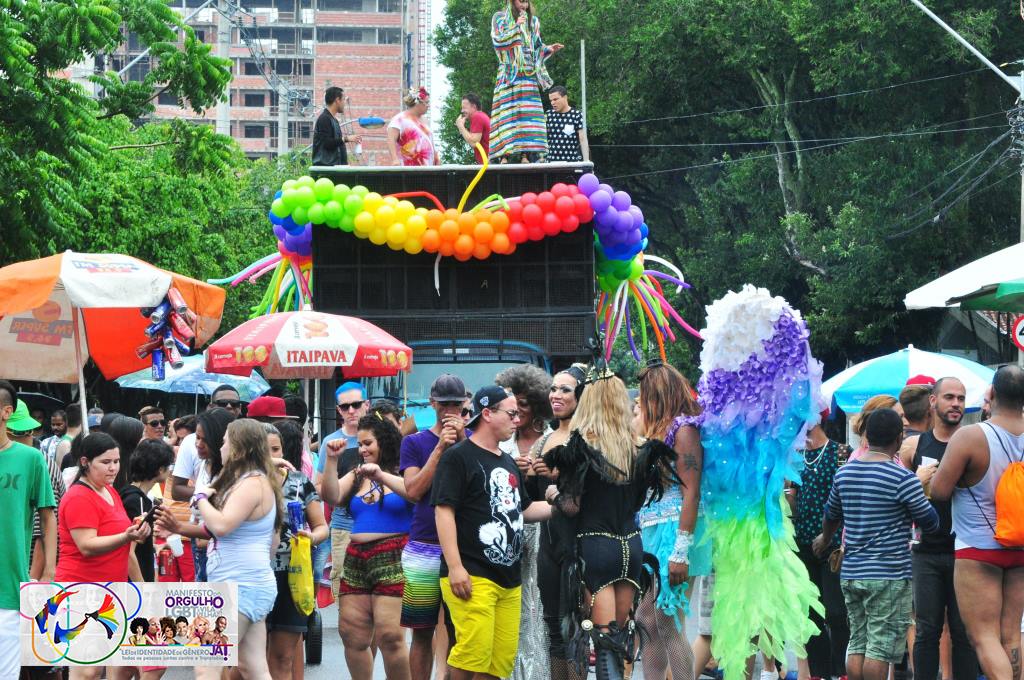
{"x": 192, "y": 378}
{"x": 1007, "y": 296}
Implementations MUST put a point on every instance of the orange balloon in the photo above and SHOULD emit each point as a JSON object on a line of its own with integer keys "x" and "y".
{"x": 499, "y": 221}
{"x": 447, "y": 248}
{"x": 463, "y": 258}
{"x": 430, "y": 240}
{"x": 483, "y": 233}
{"x": 451, "y": 214}
{"x": 483, "y": 215}
{"x": 464, "y": 244}
{"x": 448, "y": 231}
{"x": 434, "y": 218}
{"x": 467, "y": 221}
{"x": 482, "y": 251}
{"x": 499, "y": 243}
{"x": 511, "y": 249}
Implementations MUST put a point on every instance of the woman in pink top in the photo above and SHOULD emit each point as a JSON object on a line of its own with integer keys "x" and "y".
{"x": 409, "y": 139}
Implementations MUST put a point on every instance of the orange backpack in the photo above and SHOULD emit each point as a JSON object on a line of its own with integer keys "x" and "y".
{"x": 1009, "y": 501}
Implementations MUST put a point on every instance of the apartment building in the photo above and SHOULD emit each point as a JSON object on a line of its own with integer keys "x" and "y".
{"x": 287, "y": 52}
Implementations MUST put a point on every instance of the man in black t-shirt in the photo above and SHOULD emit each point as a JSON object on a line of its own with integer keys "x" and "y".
{"x": 567, "y": 136}
{"x": 328, "y": 139}
{"x": 479, "y": 509}
{"x": 934, "y": 556}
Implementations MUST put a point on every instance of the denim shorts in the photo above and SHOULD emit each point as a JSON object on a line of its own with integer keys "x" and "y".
{"x": 256, "y": 601}
{"x": 879, "y": 613}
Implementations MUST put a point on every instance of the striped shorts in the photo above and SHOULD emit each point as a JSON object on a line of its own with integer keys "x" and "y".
{"x": 421, "y": 597}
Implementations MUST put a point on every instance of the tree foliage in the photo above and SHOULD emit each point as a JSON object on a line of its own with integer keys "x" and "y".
{"x": 802, "y": 145}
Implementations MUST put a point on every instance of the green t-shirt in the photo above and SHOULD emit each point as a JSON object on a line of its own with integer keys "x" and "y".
{"x": 24, "y": 488}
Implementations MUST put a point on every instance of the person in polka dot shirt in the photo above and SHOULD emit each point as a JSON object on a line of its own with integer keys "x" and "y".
{"x": 567, "y": 136}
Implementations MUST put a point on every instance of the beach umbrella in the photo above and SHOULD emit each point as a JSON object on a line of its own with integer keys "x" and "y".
{"x": 1004, "y": 265}
{"x": 193, "y": 378}
{"x": 308, "y": 344}
{"x": 889, "y": 374}
{"x": 1006, "y": 296}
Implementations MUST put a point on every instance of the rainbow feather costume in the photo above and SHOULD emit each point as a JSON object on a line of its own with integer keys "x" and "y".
{"x": 758, "y": 390}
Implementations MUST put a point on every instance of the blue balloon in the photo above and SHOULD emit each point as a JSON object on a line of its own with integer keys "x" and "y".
{"x": 644, "y": 230}
{"x": 278, "y": 194}
{"x": 274, "y": 219}
{"x": 289, "y": 225}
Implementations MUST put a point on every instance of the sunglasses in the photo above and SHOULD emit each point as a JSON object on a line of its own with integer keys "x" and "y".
{"x": 513, "y": 414}
{"x": 466, "y": 412}
{"x": 352, "y": 406}
{"x": 156, "y": 423}
{"x": 228, "y": 403}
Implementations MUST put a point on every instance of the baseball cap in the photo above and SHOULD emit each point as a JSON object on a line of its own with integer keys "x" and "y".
{"x": 268, "y": 407}
{"x": 448, "y": 387}
{"x": 95, "y": 416}
{"x": 20, "y": 420}
{"x": 487, "y": 397}
{"x": 921, "y": 379}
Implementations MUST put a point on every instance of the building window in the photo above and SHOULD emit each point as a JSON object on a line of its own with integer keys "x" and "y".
{"x": 307, "y": 68}
{"x": 255, "y": 99}
{"x": 167, "y": 99}
{"x": 283, "y": 67}
{"x": 304, "y": 131}
{"x": 200, "y": 35}
{"x": 255, "y": 131}
{"x": 340, "y": 5}
{"x": 250, "y": 68}
{"x": 389, "y": 5}
{"x": 346, "y": 35}
{"x": 388, "y": 36}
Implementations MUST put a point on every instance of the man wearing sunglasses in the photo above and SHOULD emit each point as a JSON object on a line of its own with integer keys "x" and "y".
{"x": 188, "y": 463}
{"x": 154, "y": 423}
{"x": 351, "y": 405}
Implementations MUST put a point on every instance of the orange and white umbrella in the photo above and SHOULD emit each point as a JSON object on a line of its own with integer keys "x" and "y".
{"x": 308, "y": 344}
{"x": 46, "y": 304}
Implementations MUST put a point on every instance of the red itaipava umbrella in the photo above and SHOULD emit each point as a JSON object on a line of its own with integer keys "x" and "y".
{"x": 308, "y": 345}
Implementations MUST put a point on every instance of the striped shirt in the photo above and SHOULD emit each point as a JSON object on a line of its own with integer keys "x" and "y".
{"x": 877, "y": 503}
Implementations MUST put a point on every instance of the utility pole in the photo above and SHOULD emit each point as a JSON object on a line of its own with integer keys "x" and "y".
{"x": 223, "y": 44}
{"x": 284, "y": 104}
{"x": 1016, "y": 117}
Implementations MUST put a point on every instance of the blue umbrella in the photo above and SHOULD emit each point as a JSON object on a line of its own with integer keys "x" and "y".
{"x": 192, "y": 378}
{"x": 889, "y": 374}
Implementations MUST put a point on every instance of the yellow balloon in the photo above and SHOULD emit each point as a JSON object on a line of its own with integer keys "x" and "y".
{"x": 421, "y": 211}
{"x": 404, "y": 210}
{"x": 378, "y": 237}
{"x": 397, "y": 233}
{"x": 395, "y": 246}
{"x": 390, "y": 200}
{"x": 363, "y": 223}
{"x": 416, "y": 225}
{"x": 372, "y": 201}
{"x": 384, "y": 217}
{"x": 413, "y": 246}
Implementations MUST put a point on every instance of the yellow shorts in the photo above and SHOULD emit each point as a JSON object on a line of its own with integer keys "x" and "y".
{"x": 486, "y": 627}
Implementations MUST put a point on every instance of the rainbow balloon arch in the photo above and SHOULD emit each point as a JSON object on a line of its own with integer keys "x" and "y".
{"x": 632, "y": 296}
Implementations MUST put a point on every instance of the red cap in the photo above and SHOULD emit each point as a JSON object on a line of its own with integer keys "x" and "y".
{"x": 920, "y": 379}
{"x": 267, "y": 407}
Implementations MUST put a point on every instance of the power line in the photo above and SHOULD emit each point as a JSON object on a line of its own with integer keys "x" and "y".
{"x": 806, "y": 101}
{"x": 743, "y": 159}
{"x": 802, "y": 141}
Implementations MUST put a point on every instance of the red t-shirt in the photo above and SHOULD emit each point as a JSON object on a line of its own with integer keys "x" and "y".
{"x": 481, "y": 122}
{"x": 80, "y": 508}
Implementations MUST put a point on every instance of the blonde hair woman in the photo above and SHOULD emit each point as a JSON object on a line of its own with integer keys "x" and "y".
{"x": 859, "y": 422}
{"x": 603, "y": 480}
{"x": 409, "y": 138}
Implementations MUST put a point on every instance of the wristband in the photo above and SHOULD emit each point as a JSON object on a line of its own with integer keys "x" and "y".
{"x": 206, "y": 530}
{"x": 196, "y": 498}
{"x": 680, "y": 553}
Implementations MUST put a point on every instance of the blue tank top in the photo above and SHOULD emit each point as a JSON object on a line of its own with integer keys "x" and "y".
{"x": 393, "y": 517}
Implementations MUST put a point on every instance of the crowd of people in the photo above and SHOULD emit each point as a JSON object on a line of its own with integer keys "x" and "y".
{"x": 519, "y": 128}
{"x": 541, "y": 526}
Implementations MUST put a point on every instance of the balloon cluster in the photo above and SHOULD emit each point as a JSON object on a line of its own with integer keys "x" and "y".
{"x": 171, "y": 333}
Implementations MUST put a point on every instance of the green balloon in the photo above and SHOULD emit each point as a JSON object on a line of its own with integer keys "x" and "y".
{"x": 340, "y": 192}
{"x": 354, "y": 203}
{"x": 348, "y": 223}
{"x": 316, "y": 214}
{"x": 306, "y": 196}
{"x": 304, "y": 181}
{"x": 359, "y": 190}
{"x": 323, "y": 189}
{"x": 290, "y": 198}
{"x": 288, "y": 184}
{"x": 279, "y": 208}
{"x": 300, "y": 215}
{"x": 333, "y": 211}
{"x": 636, "y": 270}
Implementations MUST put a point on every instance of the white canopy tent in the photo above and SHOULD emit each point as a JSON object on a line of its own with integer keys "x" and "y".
{"x": 1004, "y": 265}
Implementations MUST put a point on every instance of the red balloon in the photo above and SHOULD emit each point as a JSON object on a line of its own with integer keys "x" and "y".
{"x": 573, "y": 190}
{"x": 564, "y": 207}
{"x": 560, "y": 189}
{"x": 533, "y": 215}
{"x": 529, "y": 198}
{"x": 515, "y": 211}
{"x": 570, "y": 224}
{"x": 546, "y": 201}
{"x": 581, "y": 203}
{"x": 536, "y": 233}
{"x": 586, "y": 216}
{"x": 517, "y": 232}
{"x": 552, "y": 224}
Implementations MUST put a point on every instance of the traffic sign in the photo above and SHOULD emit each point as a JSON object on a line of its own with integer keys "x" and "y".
{"x": 1018, "y": 333}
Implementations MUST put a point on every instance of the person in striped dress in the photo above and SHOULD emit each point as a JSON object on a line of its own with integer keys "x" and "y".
{"x": 518, "y": 124}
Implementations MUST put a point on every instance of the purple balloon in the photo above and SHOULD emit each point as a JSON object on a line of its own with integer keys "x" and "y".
{"x": 304, "y": 249}
{"x": 600, "y": 201}
{"x": 588, "y": 183}
{"x": 638, "y": 215}
{"x": 608, "y": 218}
{"x": 606, "y": 188}
{"x": 614, "y": 238}
{"x": 621, "y": 200}
{"x": 634, "y": 237}
{"x": 625, "y": 222}
{"x": 280, "y": 233}
{"x": 604, "y": 229}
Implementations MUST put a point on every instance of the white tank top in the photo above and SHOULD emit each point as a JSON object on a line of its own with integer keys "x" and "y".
{"x": 974, "y": 508}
